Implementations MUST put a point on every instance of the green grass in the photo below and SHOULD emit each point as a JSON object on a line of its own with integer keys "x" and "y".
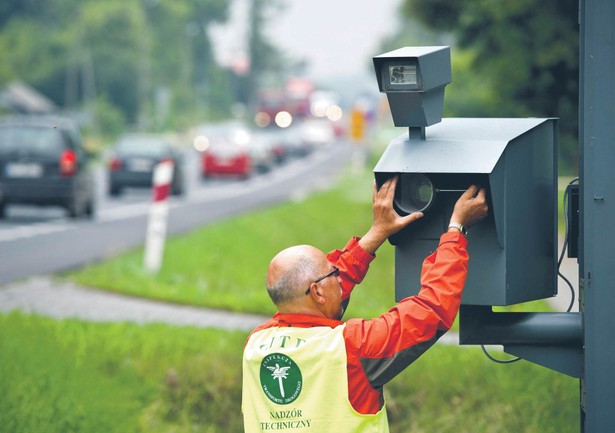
{"x": 224, "y": 265}
{"x": 69, "y": 376}
{"x": 161, "y": 378}
{"x": 452, "y": 389}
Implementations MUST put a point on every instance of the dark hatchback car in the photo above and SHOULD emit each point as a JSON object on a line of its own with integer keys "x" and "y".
{"x": 43, "y": 162}
{"x": 133, "y": 159}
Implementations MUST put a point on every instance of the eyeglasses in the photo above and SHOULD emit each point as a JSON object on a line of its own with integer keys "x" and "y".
{"x": 335, "y": 272}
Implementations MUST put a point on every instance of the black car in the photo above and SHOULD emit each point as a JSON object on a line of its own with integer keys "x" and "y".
{"x": 133, "y": 159}
{"x": 43, "y": 162}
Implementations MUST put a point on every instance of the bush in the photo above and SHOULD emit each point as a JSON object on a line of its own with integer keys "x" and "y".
{"x": 109, "y": 121}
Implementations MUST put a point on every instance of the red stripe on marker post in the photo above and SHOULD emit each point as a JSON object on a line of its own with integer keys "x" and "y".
{"x": 163, "y": 175}
{"x": 158, "y": 216}
{"x": 161, "y": 192}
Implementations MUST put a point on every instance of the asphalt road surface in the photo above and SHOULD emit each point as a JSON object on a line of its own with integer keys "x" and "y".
{"x": 37, "y": 243}
{"x": 41, "y": 241}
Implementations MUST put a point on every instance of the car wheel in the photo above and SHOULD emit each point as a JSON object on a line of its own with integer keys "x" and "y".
{"x": 248, "y": 174}
{"x": 90, "y": 209}
{"x": 115, "y": 190}
{"x": 177, "y": 189}
{"x": 81, "y": 210}
{"x": 73, "y": 208}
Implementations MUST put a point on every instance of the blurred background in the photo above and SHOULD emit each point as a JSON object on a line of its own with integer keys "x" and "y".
{"x": 160, "y": 65}
{"x": 273, "y": 99}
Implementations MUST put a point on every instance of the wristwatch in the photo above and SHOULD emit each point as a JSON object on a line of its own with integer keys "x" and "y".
{"x": 459, "y": 227}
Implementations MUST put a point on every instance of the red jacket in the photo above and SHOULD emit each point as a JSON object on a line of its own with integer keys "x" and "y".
{"x": 379, "y": 349}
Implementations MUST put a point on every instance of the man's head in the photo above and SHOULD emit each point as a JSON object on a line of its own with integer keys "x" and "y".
{"x": 292, "y": 286}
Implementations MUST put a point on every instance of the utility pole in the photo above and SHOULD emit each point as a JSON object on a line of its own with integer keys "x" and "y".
{"x": 581, "y": 345}
{"x": 597, "y": 212}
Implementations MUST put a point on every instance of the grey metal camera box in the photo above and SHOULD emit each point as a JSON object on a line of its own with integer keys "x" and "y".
{"x": 513, "y": 253}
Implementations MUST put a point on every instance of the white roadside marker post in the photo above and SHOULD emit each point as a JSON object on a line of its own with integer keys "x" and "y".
{"x": 158, "y": 216}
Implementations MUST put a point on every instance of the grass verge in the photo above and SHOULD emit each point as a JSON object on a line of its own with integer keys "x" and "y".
{"x": 69, "y": 376}
{"x": 224, "y": 265}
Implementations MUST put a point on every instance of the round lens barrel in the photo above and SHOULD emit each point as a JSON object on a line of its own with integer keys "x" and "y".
{"x": 414, "y": 193}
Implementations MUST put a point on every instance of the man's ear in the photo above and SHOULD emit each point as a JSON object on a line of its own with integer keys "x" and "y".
{"x": 317, "y": 293}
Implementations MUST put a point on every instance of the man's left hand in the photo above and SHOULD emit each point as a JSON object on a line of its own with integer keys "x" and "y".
{"x": 386, "y": 222}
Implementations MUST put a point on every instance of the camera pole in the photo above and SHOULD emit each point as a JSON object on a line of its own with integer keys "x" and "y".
{"x": 597, "y": 208}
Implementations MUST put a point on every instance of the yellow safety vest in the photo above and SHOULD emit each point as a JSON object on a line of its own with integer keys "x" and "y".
{"x": 295, "y": 380}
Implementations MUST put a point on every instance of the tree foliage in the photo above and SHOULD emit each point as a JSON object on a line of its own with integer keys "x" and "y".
{"x": 265, "y": 57}
{"x": 525, "y": 51}
{"x": 125, "y": 51}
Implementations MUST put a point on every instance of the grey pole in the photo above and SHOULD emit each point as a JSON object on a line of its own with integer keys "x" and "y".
{"x": 597, "y": 212}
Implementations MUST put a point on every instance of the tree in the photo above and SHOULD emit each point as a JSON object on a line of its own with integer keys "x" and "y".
{"x": 10, "y": 9}
{"x": 184, "y": 61}
{"x": 114, "y": 37}
{"x": 265, "y": 57}
{"x": 525, "y": 51}
{"x": 125, "y": 51}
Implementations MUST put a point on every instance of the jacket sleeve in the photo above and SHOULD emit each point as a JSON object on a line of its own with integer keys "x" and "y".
{"x": 388, "y": 344}
{"x": 353, "y": 263}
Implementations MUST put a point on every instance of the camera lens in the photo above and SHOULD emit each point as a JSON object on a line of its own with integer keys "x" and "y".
{"x": 414, "y": 193}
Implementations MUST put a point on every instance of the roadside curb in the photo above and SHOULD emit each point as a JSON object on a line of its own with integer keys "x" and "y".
{"x": 62, "y": 299}
{"x": 66, "y": 300}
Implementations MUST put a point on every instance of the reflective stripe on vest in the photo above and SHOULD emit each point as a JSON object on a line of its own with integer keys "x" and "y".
{"x": 295, "y": 380}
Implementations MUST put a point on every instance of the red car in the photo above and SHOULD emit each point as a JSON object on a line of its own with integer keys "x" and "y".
{"x": 226, "y": 153}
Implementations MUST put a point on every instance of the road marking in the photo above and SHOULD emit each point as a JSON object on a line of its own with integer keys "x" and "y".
{"x": 199, "y": 196}
{"x": 123, "y": 212}
{"x": 29, "y": 231}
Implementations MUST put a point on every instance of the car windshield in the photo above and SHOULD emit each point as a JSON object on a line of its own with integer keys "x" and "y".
{"x": 16, "y": 140}
{"x": 142, "y": 146}
{"x": 226, "y": 131}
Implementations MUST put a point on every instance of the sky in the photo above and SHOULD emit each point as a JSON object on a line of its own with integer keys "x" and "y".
{"x": 337, "y": 37}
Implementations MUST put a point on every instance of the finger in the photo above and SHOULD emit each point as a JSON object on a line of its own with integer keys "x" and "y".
{"x": 387, "y": 185}
{"x": 390, "y": 192}
{"x": 481, "y": 196}
{"x": 470, "y": 192}
{"x": 408, "y": 219}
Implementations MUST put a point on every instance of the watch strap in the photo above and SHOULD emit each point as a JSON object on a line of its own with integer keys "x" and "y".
{"x": 459, "y": 227}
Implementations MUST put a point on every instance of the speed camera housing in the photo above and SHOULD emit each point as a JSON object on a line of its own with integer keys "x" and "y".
{"x": 513, "y": 252}
{"x": 414, "y": 79}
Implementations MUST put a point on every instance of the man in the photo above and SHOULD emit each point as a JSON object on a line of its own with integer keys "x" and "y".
{"x": 305, "y": 370}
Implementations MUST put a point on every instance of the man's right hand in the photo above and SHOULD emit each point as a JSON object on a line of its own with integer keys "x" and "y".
{"x": 386, "y": 221}
{"x": 471, "y": 207}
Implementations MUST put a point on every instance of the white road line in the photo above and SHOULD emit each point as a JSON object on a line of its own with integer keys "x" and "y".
{"x": 29, "y": 231}
{"x": 198, "y": 196}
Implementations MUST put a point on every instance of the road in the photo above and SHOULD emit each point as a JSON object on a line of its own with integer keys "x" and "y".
{"x": 40, "y": 241}
{"x": 36, "y": 243}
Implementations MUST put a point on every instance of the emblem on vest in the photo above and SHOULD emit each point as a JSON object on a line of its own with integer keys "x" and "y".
{"x": 281, "y": 378}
